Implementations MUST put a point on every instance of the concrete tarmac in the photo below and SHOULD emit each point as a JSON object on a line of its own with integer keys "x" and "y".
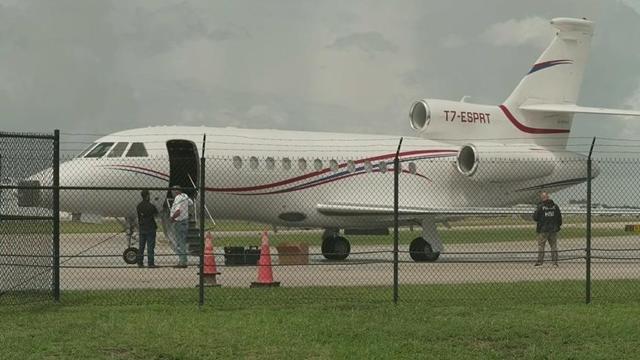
{"x": 94, "y": 261}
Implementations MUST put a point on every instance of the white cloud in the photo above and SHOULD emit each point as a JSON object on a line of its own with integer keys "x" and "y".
{"x": 192, "y": 117}
{"x": 264, "y": 114}
{"x": 370, "y": 42}
{"x": 257, "y": 116}
{"x": 635, "y": 4}
{"x": 633, "y": 101}
{"x": 534, "y": 31}
{"x": 453, "y": 41}
{"x": 631, "y": 128}
{"x": 333, "y": 65}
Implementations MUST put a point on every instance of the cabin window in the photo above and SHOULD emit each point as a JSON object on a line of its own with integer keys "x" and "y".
{"x": 317, "y": 164}
{"x": 137, "y": 150}
{"x": 99, "y": 150}
{"x": 351, "y": 166}
{"x": 412, "y": 168}
{"x": 271, "y": 163}
{"x": 302, "y": 164}
{"x": 367, "y": 166}
{"x": 118, "y": 150}
{"x": 286, "y": 164}
{"x": 382, "y": 166}
{"x": 253, "y": 162}
{"x": 333, "y": 165}
{"x": 237, "y": 162}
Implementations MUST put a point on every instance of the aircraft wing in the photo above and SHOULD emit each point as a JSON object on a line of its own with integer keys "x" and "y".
{"x": 342, "y": 209}
{"x": 571, "y": 108}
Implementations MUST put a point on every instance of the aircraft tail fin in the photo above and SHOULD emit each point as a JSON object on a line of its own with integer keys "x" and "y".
{"x": 541, "y": 108}
{"x": 545, "y": 99}
{"x": 556, "y": 76}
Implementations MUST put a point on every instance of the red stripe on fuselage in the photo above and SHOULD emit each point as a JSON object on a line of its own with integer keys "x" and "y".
{"x": 326, "y": 181}
{"x": 142, "y": 168}
{"x": 323, "y": 171}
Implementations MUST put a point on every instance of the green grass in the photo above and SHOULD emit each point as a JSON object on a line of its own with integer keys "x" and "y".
{"x": 496, "y": 321}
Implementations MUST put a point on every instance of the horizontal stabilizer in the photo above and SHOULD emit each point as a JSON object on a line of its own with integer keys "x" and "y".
{"x": 335, "y": 209}
{"x": 575, "y": 109}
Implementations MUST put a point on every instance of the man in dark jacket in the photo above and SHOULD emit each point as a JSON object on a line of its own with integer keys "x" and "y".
{"x": 146, "y": 229}
{"x": 549, "y": 220}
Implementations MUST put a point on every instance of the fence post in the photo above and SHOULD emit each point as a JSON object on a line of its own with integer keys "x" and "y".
{"x": 588, "y": 250}
{"x": 56, "y": 215}
{"x": 202, "y": 207}
{"x": 396, "y": 177}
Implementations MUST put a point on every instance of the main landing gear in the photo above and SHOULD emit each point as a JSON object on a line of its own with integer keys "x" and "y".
{"x": 426, "y": 248}
{"x": 334, "y": 246}
{"x": 420, "y": 250}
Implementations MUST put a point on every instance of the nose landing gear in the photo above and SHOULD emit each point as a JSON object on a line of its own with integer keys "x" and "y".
{"x": 130, "y": 255}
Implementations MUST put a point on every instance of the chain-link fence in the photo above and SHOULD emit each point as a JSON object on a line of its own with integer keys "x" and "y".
{"x": 27, "y": 232}
{"x": 615, "y": 246}
{"x": 365, "y": 226}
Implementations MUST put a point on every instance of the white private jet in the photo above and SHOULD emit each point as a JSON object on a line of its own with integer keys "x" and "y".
{"x": 280, "y": 177}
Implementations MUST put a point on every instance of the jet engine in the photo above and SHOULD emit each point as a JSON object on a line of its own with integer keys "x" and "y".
{"x": 497, "y": 163}
{"x": 453, "y": 120}
{"x": 420, "y": 115}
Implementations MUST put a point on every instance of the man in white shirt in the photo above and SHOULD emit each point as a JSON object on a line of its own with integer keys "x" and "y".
{"x": 180, "y": 217}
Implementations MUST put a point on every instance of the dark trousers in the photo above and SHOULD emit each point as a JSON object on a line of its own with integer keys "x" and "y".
{"x": 552, "y": 239}
{"x": 147, "y": 238}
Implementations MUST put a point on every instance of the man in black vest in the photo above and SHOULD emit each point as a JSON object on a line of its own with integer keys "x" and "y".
{"x": 549, "y": 220}
{"x": 146, "y": 229}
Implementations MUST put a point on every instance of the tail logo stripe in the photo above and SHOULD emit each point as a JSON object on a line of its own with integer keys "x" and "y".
{"x": 547, "y": 64}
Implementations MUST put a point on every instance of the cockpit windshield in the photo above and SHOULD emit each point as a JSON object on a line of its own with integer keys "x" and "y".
{"x": 99, "y": 150}
{"x": 118, "y": 150}
{"x": 85, "y": 151}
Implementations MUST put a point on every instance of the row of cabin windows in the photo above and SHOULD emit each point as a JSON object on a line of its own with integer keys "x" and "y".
{"x": 136, "y": 149}
{"x": 286, "y": 163}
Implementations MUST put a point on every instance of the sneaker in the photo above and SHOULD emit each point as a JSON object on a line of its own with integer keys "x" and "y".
{"x": 152, "y": 266}
{"x": 180, "y": 266}
{"x": 140, "y": 265}
{"x": 537, "y": 264}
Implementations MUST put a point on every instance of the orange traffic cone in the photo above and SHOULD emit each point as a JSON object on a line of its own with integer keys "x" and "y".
{"x": 210, "y": 270}
{"x": 265, "y": 273}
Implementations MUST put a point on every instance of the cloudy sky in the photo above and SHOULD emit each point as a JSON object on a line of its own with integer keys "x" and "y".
{"x": 99, "y": 66}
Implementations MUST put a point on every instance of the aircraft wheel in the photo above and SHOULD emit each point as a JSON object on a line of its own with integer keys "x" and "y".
{"x": 335, "y": 248}
{"x": 130, "y": 255}
{"x": 420, "y": 250}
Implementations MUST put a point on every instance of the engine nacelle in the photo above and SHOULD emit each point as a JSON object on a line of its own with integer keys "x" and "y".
{"x": 498, "y": 163}
{"x": 451, "y": 120}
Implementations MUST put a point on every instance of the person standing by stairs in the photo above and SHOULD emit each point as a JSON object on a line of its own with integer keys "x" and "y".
{"x": 179, "y": 215}
{"x": 146, "y": 229}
